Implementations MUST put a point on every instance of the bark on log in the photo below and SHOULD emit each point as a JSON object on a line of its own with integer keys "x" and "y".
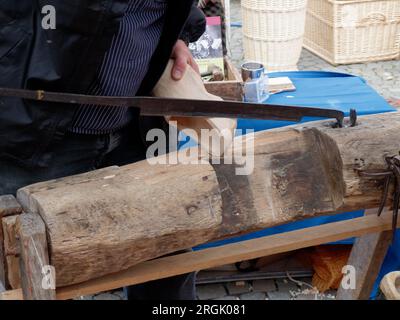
{"x": 108, "y": 220}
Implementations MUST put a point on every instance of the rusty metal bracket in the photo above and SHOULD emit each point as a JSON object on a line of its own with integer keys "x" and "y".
{"x": 391, "y": 174}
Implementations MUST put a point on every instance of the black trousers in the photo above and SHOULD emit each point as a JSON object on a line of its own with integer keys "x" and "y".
{"x": 81, "y": 153}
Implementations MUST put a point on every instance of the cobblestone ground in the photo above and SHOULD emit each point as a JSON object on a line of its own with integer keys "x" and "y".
{"x": 384, "y": 77}
{"x": 272, "y": 289}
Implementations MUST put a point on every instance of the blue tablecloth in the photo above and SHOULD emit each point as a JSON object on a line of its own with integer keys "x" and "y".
{"x": 331, "y": 91}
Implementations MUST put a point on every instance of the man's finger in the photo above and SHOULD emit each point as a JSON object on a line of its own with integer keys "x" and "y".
{"x": 179, "y": 67}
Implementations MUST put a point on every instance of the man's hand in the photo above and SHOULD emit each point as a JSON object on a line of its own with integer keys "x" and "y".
{"x": 182, "y": 57}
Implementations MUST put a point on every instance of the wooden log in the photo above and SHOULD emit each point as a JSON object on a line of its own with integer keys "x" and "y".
{"x": 106, "y": 221}
{"x": 34, "y": 259}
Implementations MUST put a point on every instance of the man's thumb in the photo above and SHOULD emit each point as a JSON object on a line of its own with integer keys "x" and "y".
{"x": 178, "y": 69}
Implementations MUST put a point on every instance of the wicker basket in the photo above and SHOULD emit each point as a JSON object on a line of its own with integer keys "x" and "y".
{"x": 273, "y": 32}
{"x": 353, "y": 31}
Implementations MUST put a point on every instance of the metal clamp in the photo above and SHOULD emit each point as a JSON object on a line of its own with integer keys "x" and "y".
{"x": 392, "y": 173}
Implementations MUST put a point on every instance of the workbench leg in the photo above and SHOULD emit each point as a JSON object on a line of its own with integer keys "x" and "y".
{"x": 8, "y": 206}
{"x": 11, "y": 251}
{"x": 37, "y": 278}
{"x": 367, "y": 256}
{"x": 2, "y": 260}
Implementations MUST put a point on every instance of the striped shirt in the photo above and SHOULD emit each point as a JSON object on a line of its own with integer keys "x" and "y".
{"x": 124, "y": 66}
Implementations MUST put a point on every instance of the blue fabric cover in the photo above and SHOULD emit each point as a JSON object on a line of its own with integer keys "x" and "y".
{"x": 328, "y": 90}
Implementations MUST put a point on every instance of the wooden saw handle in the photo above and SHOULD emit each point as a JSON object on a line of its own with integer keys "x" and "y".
{"x": 191, "y": 87}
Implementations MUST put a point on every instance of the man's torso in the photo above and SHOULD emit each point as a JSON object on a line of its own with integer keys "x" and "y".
{"x": 124, "y": 66}
{"x": 66, "y": 59}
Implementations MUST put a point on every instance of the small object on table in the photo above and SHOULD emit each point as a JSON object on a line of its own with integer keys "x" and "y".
{"x": 213, "y": 73}
{"x": 280, "y": 84}
{"x": 255, "y": 82}
{"x": 232, "y": 86}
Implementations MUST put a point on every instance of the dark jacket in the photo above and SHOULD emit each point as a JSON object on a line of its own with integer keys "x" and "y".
{"x": 66, "y": 60}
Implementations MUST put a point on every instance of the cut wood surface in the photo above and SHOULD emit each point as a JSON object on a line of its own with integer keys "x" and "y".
{"x": 9, "y": 206}
{"x": 191, "y": 87}
{"x": 108, "y": 220}
{"x": 212, "y": 257}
